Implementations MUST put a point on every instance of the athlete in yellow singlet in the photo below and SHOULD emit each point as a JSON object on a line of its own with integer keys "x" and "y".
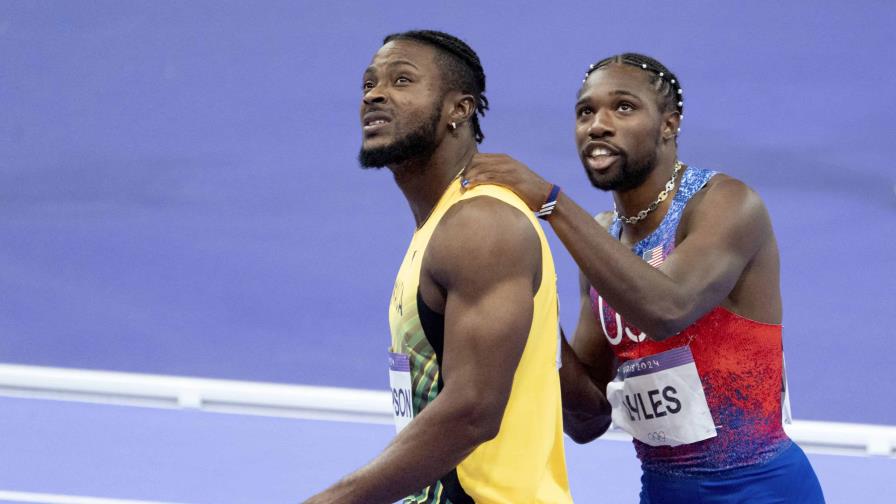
{"x": 525, "y": 461}
{"x": 474, "y": 349}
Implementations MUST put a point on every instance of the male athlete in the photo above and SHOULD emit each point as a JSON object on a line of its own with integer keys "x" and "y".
{"x": 473, "y": 360}
{"x": 690, "y": 323}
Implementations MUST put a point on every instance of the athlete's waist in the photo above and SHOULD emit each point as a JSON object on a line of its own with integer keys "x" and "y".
{"x": 721, "y": 456}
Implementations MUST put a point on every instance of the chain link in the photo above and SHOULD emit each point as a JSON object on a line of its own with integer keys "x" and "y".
{"x": 670, "y": 185}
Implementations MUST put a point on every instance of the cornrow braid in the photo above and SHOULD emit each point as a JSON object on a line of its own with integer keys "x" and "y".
{"x": 666, "y": 83}
{"x": 461, "y": 67}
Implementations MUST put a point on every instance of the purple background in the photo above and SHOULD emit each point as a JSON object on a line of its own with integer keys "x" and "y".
{"x": 179, "y": 192}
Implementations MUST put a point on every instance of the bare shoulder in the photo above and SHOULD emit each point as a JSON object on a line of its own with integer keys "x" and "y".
{"x": 482, "y": 236}
{"x": 725, "y": 199}
{"x": 727, "y": 188}
{"x": 486, "y": 216}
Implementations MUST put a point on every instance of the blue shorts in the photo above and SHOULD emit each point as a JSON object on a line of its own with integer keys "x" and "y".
{"x": 787, "y": 478}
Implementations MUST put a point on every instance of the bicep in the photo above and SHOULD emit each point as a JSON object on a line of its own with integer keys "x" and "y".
{"x": 488, "y": 255}
{"x": 485, "y": 334}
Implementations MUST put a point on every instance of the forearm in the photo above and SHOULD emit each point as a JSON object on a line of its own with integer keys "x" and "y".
{"x": 438, "y": 439}
{"x": 646, "y": 297}
{"x": 586, "y": 411}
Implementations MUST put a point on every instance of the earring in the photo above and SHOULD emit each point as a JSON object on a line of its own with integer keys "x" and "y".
{"x": 452, "y": 125}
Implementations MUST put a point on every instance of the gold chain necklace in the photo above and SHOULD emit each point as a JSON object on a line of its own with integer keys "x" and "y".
{"x": 653, "y": 206}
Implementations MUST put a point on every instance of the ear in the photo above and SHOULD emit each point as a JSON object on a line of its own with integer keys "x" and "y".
{"x": 460, "y": 107}
{"x": 671, "y": 124}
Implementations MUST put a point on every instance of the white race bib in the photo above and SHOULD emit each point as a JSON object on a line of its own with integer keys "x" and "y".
{"x": 659, "y": 399}
{"x": 400, "y": 383}
{"x": 786, "y": 416}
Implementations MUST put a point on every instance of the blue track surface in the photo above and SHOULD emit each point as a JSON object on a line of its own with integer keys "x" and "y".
{"x": 195, "y": 457}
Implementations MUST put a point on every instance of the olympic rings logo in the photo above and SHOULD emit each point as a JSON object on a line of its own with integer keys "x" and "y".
{"x": 657, "y": 436}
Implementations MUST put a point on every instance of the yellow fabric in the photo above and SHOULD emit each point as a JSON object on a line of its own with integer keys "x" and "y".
{"x": 525, "y": 463}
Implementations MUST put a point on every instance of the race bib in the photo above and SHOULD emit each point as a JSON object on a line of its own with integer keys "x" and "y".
{"x": 786, "y": 416}
{"x": 400, "y": 383}
{"x": 659, "y": 399}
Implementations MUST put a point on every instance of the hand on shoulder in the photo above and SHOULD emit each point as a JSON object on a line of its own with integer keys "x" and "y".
{"x": 503, "y": 170}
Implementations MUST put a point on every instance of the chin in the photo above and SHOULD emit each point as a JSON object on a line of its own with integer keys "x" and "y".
{"x": 375, "y": 143}
{"x": 603, "y": 185}
{"x": 606, "y": 182}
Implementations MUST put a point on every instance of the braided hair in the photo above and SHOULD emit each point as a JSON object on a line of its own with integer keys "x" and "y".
{"x": 666, "y": 83}
{"x": 460, "y": 66}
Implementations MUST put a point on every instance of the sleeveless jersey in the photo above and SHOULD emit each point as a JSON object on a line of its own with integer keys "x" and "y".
{"x": 739, "y": 362}
{"x": 525, "y": 462}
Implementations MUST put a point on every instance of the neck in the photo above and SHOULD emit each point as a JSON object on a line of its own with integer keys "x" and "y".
{"x": 423, "y": 181}
{"x": 632, "y": 201}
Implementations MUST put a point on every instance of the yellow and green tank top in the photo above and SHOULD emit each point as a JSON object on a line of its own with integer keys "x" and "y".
{"x": 525, "y": 463}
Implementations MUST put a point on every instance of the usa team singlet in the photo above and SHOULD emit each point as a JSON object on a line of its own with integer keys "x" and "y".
{"x": 526, "y": 461}
{"x": 739, "y": 362}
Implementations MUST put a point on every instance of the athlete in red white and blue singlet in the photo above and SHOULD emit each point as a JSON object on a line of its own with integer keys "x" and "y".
{"x": 684, "y": 290}
{"x": 739, "y": 362}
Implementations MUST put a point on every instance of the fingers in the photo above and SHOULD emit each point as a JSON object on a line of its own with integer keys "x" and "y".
{"x": 469, "y": 181}
{"x": 483, "y": 169}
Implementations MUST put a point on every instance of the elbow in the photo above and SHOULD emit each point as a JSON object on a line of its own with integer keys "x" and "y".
{"x": 580, "y": 437}
{"x": 586, "y": 433}
{"x": 582, "y": 432}
{"x": 669, "y": 319}
{"x": 481, "y": 420}
{"x": 663, "y": 329}
{"x": 483, "y": 428}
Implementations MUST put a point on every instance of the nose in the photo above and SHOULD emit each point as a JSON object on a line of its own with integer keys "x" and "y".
{"x": 374, "y": 95}
{"x": 601, "y": 124}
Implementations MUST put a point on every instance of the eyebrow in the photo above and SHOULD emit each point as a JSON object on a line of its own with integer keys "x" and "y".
{"x": 616, "y": 92}
{"x": 622, "y": 92}
{"x": 395, "y": 63}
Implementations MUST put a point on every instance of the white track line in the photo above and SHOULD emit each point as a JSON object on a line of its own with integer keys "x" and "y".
{"x": 331, "y": 403}
{"x": 41, "y": 498}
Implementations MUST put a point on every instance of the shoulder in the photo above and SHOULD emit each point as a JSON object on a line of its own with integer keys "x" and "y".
{"x": 728, "y": 200}
{"x": 727, "y": 192}
{"x": 499, "y": 193}
{"x": 492, "y": 221}
{"x": 483, "y": 235}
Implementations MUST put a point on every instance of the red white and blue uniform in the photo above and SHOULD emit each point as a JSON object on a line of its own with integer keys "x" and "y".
{"x": 740, "y": 364}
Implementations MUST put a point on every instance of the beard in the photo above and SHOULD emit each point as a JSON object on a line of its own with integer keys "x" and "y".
{"x": 418, "y": 143}
{"x": 631, "y": 174}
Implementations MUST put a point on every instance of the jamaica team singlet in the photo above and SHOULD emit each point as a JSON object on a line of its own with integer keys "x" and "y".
{"x": 525, "y": 462}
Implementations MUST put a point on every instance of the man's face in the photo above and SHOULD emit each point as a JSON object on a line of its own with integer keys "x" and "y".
{"x": 401, "y": 106}
{"x": 618, "y": 127}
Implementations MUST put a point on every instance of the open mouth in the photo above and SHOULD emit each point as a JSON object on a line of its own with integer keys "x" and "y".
{"x": 374, "y": 121}
{"x": 599, "y": 157}
{"x": 374, "y": 124}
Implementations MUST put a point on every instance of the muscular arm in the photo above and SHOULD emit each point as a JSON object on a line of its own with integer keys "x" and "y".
{"x": 588, "y": 365}
{"x": 723, "y": 234}
{"x": 480, "y": 268}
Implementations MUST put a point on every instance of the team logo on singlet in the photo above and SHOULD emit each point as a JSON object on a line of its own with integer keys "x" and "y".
{"x": 612, "y": 323}
{"x": 397, "y": 296}
{"x": 615, "y": 327}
